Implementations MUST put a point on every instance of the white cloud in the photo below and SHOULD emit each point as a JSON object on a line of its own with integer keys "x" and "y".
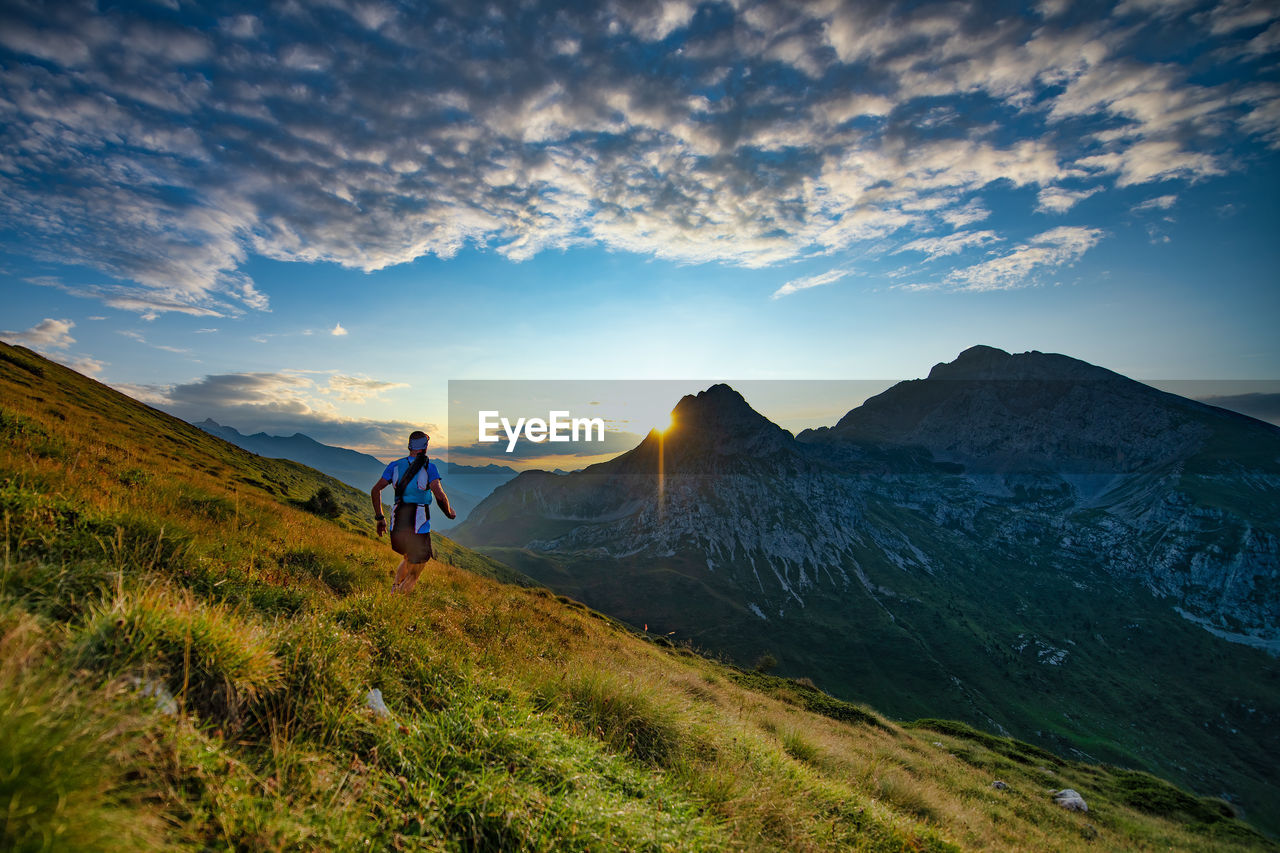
{"x": 1022, "y": 267}
{"x": 1265, "y": 42}
{"x": 241, "y": 26}
{"x": 1157, "y": 160}
{"x": 163, "y": 156}
{"x": 48, "y": 334}
{"x": 1155, "y": 8}
{"x": 951, "y": 244}
{"x": 654, "y": 21}
{"x": 797, "y": 284}
{"x": 1160, "y": 202}
{"x": 149, "y": 305}
{"x": 1263, "y": 119}
{"x": 52, "y": 338}
{"x": 337, "y": 330}
{"x": 958, "y": 217}
{"x": 358, "y": 389}
{"x": 90, "y": 367}
{"x": 1052, "y": 8}
{"x": 1232, "y": 15}
{"x": 281, "y": 404}
{"x": 1059, "y": 200}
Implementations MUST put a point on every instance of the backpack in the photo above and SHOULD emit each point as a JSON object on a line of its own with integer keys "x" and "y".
{"x": 418, "y": 463}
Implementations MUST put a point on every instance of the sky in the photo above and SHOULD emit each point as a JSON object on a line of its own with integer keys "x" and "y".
{"x": 294, "y": 216}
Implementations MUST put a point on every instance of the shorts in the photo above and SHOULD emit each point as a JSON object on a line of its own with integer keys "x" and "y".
{"x": 416, "y": 547}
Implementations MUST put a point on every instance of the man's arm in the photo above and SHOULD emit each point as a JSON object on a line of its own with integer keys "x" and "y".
{"x": 375, "y": 494}
{"x": 442, "y": 500}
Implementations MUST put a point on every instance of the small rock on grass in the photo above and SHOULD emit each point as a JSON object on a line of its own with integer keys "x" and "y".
{"x": 374, "y": 703}
{"x": 1070, "y": 800}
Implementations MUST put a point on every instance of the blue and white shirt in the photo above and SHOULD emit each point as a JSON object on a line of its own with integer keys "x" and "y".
{"x": 416, "y": 491}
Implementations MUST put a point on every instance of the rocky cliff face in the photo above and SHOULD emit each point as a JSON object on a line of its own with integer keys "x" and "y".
{"x": 1014, "y": 452}
{"x": 1026, "y": 541}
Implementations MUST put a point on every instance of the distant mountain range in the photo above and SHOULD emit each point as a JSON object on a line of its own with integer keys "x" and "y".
{"x": 466, "y": 485}
{"x": 1028, "y": 542}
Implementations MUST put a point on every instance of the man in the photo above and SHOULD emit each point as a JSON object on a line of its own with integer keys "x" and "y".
{"x": 416, "y": 480}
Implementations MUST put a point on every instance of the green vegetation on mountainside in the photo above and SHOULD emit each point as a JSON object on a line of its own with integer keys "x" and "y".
{"x": 185, "y": 656}
{"x": 1027, "y": 637}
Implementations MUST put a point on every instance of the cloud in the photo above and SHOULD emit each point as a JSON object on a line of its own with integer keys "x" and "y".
{"x": 161, "y": 148}
{"x": 358, "y": 389}
{"x": 52, "y": 338}
{"x": 937, "y": 247}
{"x": 829, "y": 277}
{"x": 281, "y": 404}
{"x": 149, "y": 305}
{"x": 959, "y": 217}
{"x": 1156, "y": 160}
{"x": 48, "y": 334}
{"x": 1160, "y": 202}
{"x": 140, "y": 338}
{"x": 1059, "y": 200}
{"x": 337, "y": 330}
{"x": 1232, "y": 15}
{"x": 1022, "y": 267}
{"x": 91, "y": 367}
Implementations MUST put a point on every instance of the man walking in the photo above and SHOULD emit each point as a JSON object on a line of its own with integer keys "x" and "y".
{"x": 416, "y": 481}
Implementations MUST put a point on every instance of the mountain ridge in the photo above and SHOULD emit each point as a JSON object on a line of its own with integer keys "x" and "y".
{"x": 467, "y": 485}
{"x": 223, "y": 644}
{"x": 958, "y": 551}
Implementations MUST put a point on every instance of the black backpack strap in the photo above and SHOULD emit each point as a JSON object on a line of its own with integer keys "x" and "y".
{"x": 414, "y": 467}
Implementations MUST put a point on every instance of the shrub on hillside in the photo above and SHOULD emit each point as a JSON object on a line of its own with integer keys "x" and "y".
{"x": 323, "y": 503}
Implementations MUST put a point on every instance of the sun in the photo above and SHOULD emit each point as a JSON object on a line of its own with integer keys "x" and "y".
{"x": 663, "y": 423}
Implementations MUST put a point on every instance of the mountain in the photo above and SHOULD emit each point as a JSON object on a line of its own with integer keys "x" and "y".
{"x": 1030, "y": 543}
{"x": 465, "y": 485}
{"x": 356, "y": 469}
{"x": 188, "y": 660}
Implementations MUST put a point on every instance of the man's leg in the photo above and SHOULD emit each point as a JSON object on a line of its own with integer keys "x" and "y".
{"x": 405, "y": 580}
{"x": 398, "y": 574}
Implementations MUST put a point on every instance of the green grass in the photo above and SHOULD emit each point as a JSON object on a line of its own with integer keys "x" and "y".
{"x": 517, "y": 721}
{"x": 69, "y": 761}
{"x": 213, "y": 660}
{"x": 1164, "y": 696}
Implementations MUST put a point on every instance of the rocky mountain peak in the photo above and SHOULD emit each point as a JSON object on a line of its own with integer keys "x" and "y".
{"x": 990, "y": 363}
{"x": 714, "y": 423}
{"x": 722, "y": 416}
{"x": 719, "y": 402}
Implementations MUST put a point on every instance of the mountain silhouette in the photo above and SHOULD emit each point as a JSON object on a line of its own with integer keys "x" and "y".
{"x": 466, "y": 485}
{"x": 1028, "y": 542}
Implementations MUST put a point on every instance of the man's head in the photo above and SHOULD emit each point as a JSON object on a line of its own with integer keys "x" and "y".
{"x": 418, "y": 441}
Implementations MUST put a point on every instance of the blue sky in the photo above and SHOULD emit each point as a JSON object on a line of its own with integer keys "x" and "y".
{"x": 310, "y": 216}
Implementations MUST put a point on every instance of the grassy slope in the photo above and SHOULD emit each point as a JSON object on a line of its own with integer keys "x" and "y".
{"x": 1140, "y": 686}
{"x": 142, "y": 555}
